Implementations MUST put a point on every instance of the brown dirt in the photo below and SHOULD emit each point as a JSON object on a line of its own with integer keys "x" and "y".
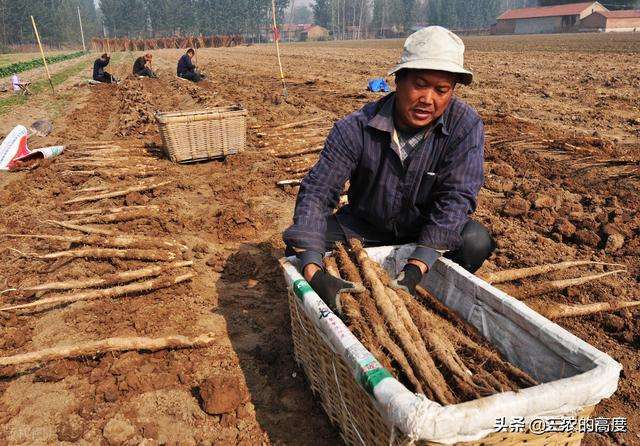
{"x": 562, "y": 178}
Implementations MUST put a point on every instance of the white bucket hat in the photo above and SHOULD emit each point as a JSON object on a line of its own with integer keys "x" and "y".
{"x": 435, "y": 48}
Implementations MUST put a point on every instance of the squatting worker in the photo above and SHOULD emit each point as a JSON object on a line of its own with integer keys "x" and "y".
{"x": 142, "y": 66}
{"x": 414, "y": 161}
{"x": 99, "y": 74}
{"x": 186, "y": 68}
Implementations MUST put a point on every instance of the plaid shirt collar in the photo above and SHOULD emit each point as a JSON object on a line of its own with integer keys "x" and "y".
{"x": 383, "y": 119}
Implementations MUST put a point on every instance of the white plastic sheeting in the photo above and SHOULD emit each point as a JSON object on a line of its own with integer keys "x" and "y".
{"x": 573, "y": 374}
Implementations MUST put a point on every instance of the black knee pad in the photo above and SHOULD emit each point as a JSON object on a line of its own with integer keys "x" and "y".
{"x": 477, "y": 246}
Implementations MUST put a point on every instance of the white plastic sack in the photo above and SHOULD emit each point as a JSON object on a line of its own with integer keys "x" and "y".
{"x": 14, "y": 145}
{"x": 14, "y": 149}
{"x": 574, "y": 374}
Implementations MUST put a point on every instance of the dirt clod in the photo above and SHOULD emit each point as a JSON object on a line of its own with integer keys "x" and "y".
{"x": 222, "y": 393}
{"x": 117, "y": 431}
{"x": 614, "y": 243}
{"x": 515, "y": 207}
{"x": 71, "y": 429}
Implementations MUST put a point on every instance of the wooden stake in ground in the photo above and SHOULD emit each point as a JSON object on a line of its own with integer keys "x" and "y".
{"x": 110, "y": 345}
{"x": 138, "y": 287}
{"x": 44, "y": 59}
{"x": 276, "y": 37}
{"x": 84, "y": 46}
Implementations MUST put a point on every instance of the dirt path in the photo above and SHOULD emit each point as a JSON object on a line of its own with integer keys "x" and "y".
{"x": 231, "y": 215}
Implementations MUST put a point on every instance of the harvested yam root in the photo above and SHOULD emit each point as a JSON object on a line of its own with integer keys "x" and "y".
{"x": 108, "y": 253}
{"x": 378, "y": 327}
{"x": 558, "y": 311}
{"x": 426, "y": 345}
{"x": 118, "y": 193}
{"x": 521, "y": 273}
{"x": 118, "y": 291}
{"x": 110, "y": 345}
{"x": 118, "y": 241}
{"x": 116, "y": 217}
{"x": 108, "y": 279}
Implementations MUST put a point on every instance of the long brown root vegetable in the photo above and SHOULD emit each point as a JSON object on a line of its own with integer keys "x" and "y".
{"x": 300, "y": 152}
{"x": 93, "y": 189}
{"x": 110, "y": 345}
{"x": 559, "y": 311}
{"x": 559, "y": 285}
{"x": 297, "y": 124}
{"x": 113, "y": 173}
{"x": 351, "y": 309}
{"x": 117, "y": 217}
{"x": 118, "y": 241}
{"x": 376, "y": 322}
{"x": 441, "y": 348}
{"x": 521, "y": 273}
{"x": 464, "y": 335}
{"x": 138, "y": 287}
{"x": 422, "y": 361}
{"x": 119, "y": 193}
{"x": 112, "y": 210}
{"x": 109, "y": 253}
{"x": 82, "y": 228}
{"x": 107, "y": 279}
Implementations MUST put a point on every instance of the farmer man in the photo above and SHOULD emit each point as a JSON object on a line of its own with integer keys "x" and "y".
{"x": 414, "y": 161}
{"x": 98, "y": 70}
{"x": 142, "y": 66}
{"x": 186, "y": 68}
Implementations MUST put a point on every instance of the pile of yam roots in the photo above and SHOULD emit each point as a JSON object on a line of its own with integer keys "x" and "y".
{"x": 425, "y": 345}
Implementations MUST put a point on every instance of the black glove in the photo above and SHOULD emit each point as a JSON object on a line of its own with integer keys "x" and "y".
{"x": 408, "y": 279}
{"x": 329, "y": 288}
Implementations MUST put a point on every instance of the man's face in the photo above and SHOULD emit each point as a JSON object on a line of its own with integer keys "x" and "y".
{"x": 422, "y": 97}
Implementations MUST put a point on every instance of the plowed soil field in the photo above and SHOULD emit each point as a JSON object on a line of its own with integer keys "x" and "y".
{"x": 562, "y": 115}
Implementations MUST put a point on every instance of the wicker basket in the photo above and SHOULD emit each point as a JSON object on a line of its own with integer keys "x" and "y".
{"x": 202, "y": 135}
{"x": 371, "y": 408}
{"x": 353, "y": 411}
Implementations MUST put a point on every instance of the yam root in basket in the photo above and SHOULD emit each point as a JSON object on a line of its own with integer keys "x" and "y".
{"x": 427, "y": 346}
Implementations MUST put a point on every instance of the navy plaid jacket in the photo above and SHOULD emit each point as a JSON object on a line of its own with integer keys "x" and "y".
{"x": 428, "y": 200}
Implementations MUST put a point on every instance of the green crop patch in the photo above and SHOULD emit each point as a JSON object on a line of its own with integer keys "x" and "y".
{"x": 20, "y": 67}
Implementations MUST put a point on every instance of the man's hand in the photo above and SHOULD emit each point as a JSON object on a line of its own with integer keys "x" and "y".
{"x": 410, "y": 276}
{"x": 329, "y": 289}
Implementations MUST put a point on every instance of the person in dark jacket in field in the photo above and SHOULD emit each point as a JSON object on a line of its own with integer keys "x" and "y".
{"x": 99, "y": 74}
{"x": 186, "y": 68}
{"x": 414, "y": 162}
{"x": 142, "y": 66}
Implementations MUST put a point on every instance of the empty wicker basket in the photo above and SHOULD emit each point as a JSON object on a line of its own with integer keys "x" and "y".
{"x": 201, "y": 135}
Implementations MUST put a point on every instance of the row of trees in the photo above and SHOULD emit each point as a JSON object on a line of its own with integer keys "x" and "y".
{"x": 58, "y": 19}
{"x": 346, "y": 18}
{"x": 159, "y": 18}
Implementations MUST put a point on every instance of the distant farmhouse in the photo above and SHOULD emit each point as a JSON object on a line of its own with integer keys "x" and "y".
{"x": 610, "y": 21}
{"x": 588, "y": 16}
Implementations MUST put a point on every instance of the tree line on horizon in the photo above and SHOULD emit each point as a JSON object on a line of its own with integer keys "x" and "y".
{"x": 58, "y": 19}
